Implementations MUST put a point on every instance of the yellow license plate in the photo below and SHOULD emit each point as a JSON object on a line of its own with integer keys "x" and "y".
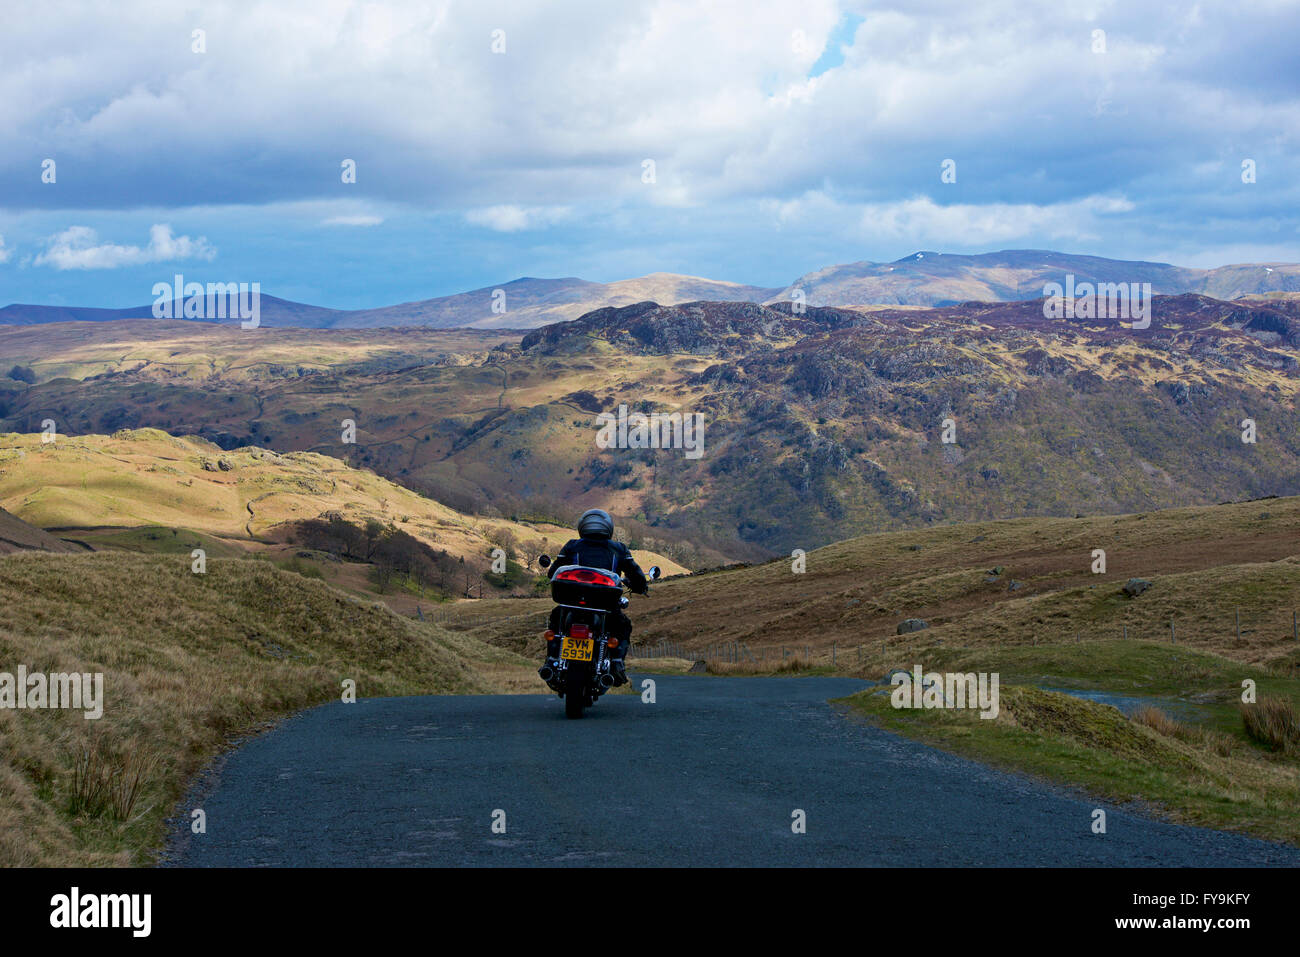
{"x": 577, "y": 649}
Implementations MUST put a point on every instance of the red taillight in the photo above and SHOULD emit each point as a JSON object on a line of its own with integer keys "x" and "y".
{"x": 579, "y": 631}
{"x": 586, "y": 576}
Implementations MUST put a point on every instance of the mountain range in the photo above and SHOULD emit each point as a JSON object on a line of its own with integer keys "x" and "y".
{"x": 821, "y": 424}
{"x": 923, "y": 279}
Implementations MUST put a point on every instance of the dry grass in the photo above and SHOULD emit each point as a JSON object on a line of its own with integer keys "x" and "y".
{"x": 188, "y": 662}
{"x": 793, "y": 665}
{"x": 660, "y": 666}
{"x": 1156, "y": 720}
{"x": 1274, "y": 723}
{"x": 1159, "y": 722}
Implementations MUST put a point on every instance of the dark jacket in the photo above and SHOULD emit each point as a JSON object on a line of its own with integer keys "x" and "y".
{"x": 602, "y": 553}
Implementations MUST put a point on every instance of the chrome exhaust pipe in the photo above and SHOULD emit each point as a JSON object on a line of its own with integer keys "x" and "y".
{"x": 606, "y": 680}
{"x": 546, "y": 673}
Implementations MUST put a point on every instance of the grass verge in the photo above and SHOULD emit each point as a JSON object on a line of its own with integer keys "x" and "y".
{"x": 189, "y": 661}
{"x": 1201, "y": 767}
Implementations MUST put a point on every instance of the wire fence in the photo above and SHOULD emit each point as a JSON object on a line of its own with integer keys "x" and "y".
{"x": 458, "y": 614}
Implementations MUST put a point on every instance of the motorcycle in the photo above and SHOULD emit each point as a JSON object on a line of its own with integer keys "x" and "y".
{"x": 580, "y": 672}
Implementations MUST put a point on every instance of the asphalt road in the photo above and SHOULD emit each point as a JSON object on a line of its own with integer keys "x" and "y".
{"x": 710, "y": 774}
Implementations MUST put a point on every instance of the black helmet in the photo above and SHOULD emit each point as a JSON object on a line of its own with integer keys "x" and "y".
{"x": 596, "y": 523}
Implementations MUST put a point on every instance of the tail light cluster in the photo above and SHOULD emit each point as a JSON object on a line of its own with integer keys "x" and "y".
{"x": 579, "y": 631}
{"x": 587, "y": 576}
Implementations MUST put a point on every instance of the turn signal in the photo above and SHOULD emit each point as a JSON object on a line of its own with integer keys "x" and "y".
{"x": 549, "y": 635}
{"x": 611, "y": 642}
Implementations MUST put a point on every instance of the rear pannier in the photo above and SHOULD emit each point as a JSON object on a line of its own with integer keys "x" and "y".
{"x": 578, "y": 586}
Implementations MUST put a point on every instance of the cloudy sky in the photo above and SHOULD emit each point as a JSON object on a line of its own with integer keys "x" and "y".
{"x": 736, "y": 139}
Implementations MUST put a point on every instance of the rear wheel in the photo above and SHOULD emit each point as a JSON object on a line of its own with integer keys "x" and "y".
{"x": 575, "y": 692}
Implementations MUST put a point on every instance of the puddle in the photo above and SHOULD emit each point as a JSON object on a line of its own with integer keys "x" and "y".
{"x": 1128, "y": 704}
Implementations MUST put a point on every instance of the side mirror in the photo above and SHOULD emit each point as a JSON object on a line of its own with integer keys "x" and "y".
{"x": 544, "y": 561}
{"x": 654, "y": 573}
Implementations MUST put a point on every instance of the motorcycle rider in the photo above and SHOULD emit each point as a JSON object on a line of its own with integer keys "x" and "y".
{"x": 596, "y": 548}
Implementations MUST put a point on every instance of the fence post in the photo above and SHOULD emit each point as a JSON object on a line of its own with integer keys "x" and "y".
{"x": 1126, "y": 632}
{"x": 832, "y": 654}
{"x": 1171, "y": 631}
{"x": 1236, "y": 617}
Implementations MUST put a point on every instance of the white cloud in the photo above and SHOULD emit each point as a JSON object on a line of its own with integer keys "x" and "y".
{"x": 920, "y": 220}
{"x": 513, "y": 219}
{"x": 78, "y": 247}
{"x": 4, "y": 253}
{"x": 716, "y": 93}
{"x": 361, "y": 219}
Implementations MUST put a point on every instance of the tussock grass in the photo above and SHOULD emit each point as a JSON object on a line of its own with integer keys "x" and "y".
{"x": 1158, "y": 721}
{"x": 188, "y": 662}
{"x": 1274, "y": 723}
{"x": 109, "y": 785}
{"x": 1198, "y": 735}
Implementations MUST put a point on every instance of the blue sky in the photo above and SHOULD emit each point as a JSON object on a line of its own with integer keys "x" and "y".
{"x": 784, "y": 137}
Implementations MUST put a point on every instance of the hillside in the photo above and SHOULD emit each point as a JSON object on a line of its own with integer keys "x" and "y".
{"x": 148, "y": 491}
{"x": 17, "y": 536}
{"x": 189, "y": 662}
{"x": 272, "y": 312}
{"x": 535, "y": 302}
{"x": 141, "y": 477}
{"x": 935, "y": 279}
{"x": 1014, "y": 583}
{"x": 200, "y": 351}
